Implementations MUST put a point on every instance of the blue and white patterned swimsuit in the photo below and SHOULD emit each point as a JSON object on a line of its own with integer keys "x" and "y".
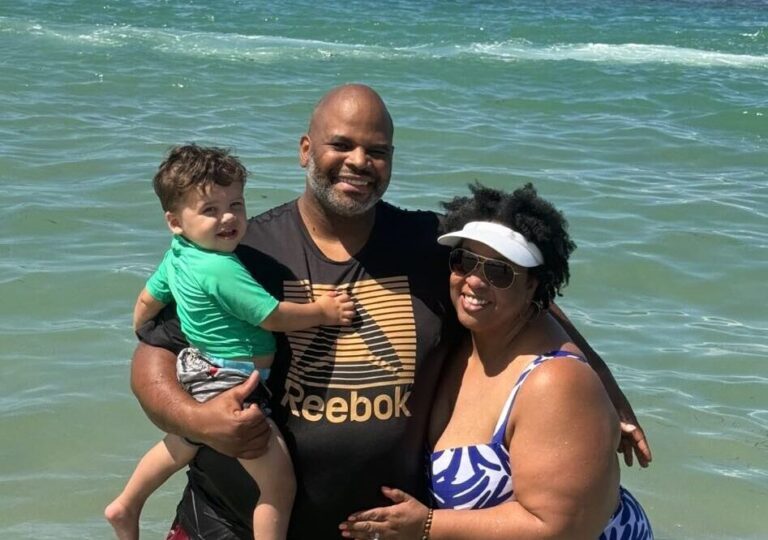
{"x": 479, "y": 476}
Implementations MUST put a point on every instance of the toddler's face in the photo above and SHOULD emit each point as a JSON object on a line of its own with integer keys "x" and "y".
{"x": 213, "y": 219}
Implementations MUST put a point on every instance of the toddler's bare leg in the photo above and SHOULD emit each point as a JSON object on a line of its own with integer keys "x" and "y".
{"x": 165, "y": 458}
{"x": 273, "y": 472}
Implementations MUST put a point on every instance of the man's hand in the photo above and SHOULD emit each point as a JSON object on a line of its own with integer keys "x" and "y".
{"x": 229, "y": 429}
{"x": 220, "y": 423}
{"x": 633, "y": 439}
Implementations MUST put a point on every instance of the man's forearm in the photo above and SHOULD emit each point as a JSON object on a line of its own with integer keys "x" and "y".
{"x": 153, "y": 381}
{"x": 220, "y": 423}
{"x": 592, "y": 357}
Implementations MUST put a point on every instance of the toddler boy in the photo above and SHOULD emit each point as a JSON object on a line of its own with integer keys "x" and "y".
{"x": 226, "y": 316}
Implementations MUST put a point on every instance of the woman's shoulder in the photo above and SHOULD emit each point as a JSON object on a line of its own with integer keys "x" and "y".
{"x": 561, "y": 378}
{"x": 562, "y": 367}
{"x": 565, "y": 394}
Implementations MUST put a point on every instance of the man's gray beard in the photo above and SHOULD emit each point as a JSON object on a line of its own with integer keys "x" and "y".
{"x": 322, "y": 189}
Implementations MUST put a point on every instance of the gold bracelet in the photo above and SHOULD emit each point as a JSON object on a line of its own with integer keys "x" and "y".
{"x": 427, "y": 525}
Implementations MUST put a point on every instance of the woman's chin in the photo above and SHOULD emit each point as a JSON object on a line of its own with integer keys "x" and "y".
{"x": 474, "y": 321}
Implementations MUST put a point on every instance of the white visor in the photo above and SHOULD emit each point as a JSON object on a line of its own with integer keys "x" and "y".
{"x": 511, "y": 244}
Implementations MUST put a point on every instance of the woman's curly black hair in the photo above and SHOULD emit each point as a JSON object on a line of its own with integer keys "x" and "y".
{"x": 530, "y": 215}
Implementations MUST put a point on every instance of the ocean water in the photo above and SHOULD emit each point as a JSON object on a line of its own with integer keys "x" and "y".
{"x": 646, "y": 122}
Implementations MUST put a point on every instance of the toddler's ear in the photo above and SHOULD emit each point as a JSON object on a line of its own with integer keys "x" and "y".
{"x": 174, "y": 223}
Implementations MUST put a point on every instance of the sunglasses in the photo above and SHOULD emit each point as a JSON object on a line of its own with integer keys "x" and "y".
{"x": 498, "y": 273}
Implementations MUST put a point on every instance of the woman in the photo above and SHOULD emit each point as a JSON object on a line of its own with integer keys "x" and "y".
{"x": 522, "y": 432}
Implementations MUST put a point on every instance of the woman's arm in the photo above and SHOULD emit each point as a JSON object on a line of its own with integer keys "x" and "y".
{"x": 220, "y": 423}
{"x": 632, "y": 435}
{"x": 565, "y": 471}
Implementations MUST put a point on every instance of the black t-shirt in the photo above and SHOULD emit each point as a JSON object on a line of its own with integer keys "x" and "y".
{"x": 352, "y": 403}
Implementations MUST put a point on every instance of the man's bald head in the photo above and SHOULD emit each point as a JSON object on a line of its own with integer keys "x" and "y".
{"x": 348, "y": 151}
{"x": 351, "y": 100}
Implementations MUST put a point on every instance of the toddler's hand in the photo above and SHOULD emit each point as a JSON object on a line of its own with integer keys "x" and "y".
{"x": 337, "y": 307}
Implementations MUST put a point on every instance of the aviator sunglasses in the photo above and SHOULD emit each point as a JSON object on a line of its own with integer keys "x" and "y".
{"x": 498, "y": 273}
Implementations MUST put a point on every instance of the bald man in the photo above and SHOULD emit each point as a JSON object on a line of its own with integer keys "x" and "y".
{"x": 353, "y": 402}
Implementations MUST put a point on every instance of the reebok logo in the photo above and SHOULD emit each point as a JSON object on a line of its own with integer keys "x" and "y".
{"x": 352, "y": 406}
{"x": 375, "y": 355}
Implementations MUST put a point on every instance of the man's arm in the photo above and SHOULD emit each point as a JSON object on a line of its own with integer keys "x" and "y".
{"x": 632, "y": 435}
{"x": 220, "y": 423}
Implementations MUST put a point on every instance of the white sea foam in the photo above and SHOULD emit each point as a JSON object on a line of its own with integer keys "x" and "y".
{"x": 620, "y": 53}
{"x": 277, "y": 48}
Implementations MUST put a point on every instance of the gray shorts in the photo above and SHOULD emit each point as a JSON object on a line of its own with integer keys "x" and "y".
{"x": 204, "y": 380}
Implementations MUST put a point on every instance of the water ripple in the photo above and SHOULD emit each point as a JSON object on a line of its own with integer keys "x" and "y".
{"x": 277, "y": 49}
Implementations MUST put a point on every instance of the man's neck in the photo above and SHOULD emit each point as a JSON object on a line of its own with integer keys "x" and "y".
{"x": 338, "y": 237}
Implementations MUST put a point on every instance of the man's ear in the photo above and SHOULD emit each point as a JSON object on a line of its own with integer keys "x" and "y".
{"x": 174, "y": 223}
{"x": 304, "y": 144}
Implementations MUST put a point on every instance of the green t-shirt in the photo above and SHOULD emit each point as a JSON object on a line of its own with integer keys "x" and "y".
{"x": 220, "y": 305}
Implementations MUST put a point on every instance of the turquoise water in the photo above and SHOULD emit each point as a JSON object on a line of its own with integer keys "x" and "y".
{"x": 646, "y": 122}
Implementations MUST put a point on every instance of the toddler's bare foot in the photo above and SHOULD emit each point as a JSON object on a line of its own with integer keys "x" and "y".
{"x": 124, "y": 520}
